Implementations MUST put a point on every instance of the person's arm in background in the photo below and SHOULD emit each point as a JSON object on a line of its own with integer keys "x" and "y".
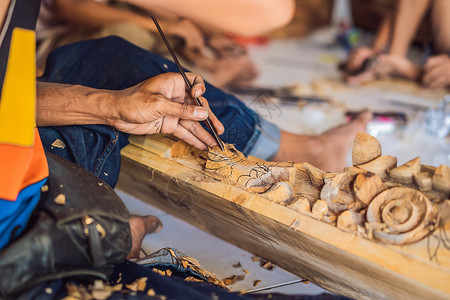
{"x": 3, "y": 9}
{"x": 239, "y": 17}
{"x": 157, "y": 105}
{"x": 381, "y": 41}
{"x": 91, "y": 14}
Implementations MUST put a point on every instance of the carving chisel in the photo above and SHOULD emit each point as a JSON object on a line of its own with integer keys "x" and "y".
{"x": 188, "y": 84}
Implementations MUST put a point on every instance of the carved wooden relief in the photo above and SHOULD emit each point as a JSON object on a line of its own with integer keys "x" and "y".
{"x": 374, "y": 198}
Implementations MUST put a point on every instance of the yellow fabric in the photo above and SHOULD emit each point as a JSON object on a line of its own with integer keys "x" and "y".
{"x": 18, "y": 99}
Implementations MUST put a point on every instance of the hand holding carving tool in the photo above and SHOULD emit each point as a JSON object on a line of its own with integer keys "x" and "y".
{"x": 188, "y": 84}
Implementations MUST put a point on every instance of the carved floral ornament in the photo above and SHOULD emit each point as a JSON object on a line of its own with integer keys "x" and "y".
{"x": 374, "y": 198}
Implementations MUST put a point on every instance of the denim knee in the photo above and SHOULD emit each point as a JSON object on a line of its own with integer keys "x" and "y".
{"x": 93, "y": 147}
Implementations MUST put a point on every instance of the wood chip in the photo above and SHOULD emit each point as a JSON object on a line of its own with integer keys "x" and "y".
{"x": 151, "y": 292}
{"x": 160, "y": 272}
{"x": 137, "y": 285}
{"x": 238, "y": 265}
{"x": 233, "y": 279}
{"x": 256, "y": 282}
{"x": 193, "y": 279}
{"x": 44, "y": 188}
{"x": 59, "y": 144}
{"x": 266, "y": 265}
{"x": 245, "y": 271}
{"x": 60, "y": 199}
{"x": 255, "y": 258}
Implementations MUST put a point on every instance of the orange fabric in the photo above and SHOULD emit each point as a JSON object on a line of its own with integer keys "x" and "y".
{"x": 38, "y": 168}
{"x": 21, "y": 166}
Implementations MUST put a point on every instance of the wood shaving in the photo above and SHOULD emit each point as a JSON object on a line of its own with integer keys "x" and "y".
{"x": 60, "y": 199}
{"x": 151, "y": 292}
{"x": 99, "y": 290}
{"x": 160, "y": 272}
{"x": 266, "y": 265}
{"x": 77, "y": 292}
{"x": 233, "y": 279}
{"x": 171, "y": 252}
{"x": 238, "y": 265}
{"x": 256, "y": 282}
{"x": 59, "y": 144}
{"x": 137, "y": 285}
{"x": 193, "y": 279}
{"x": 245, "y": 271}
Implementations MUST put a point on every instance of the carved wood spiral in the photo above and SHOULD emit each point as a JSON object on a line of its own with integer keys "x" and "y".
{"x": 400, "y": 216}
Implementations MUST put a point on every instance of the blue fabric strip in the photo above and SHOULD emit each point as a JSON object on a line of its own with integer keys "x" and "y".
{"x": 14, "y": 215}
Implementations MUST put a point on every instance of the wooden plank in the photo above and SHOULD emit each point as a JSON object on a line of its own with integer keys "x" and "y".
{"x": 341, "y": 262}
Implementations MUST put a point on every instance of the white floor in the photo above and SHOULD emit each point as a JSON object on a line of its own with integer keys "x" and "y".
{"x": 214, "y": 254}
{"x": 283, "y": 63}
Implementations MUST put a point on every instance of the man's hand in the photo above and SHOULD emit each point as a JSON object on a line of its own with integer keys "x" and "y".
{"x": 162, "y": 105}
{"x": 437, "y": 72}
{"x": 387, "y": 65}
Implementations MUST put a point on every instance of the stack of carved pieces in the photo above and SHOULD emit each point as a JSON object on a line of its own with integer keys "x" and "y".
{"x": 374, "y": 198}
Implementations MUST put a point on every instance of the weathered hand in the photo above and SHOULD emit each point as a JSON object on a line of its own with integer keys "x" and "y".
{"x": 387, "y": 65}
{"x": 437, "y": 72}
{"x": 357, "y": 57}
{"x": 188, "y": 31}
{"x": 161, "y": 104}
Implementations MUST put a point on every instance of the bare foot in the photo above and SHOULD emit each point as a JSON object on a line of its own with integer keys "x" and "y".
{"x": 140, "y": 227}
{"x": 387, "y": 65}
{"x": 327, "y": 151}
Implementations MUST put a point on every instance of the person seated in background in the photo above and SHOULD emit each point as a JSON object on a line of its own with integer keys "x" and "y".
{"x": 393, "y": 40}
{"x": 208, "y": 51}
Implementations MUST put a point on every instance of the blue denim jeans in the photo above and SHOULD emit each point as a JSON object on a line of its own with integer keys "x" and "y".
{"x": 113, "y": 63}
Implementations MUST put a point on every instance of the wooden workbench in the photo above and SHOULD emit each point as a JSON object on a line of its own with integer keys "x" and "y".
{"x": 341, "y": 262}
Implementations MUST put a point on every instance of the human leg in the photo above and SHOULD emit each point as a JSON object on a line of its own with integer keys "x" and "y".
{"x": 440, "y": 23}
{"x": 408, "y": 16}
{"x": 327, "y": 151}
{"x": 140, "y": 227}
{"x": 436, "y": 72}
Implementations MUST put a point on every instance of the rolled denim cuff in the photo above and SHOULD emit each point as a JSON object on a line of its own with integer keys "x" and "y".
{"x": 267, "y": 144}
